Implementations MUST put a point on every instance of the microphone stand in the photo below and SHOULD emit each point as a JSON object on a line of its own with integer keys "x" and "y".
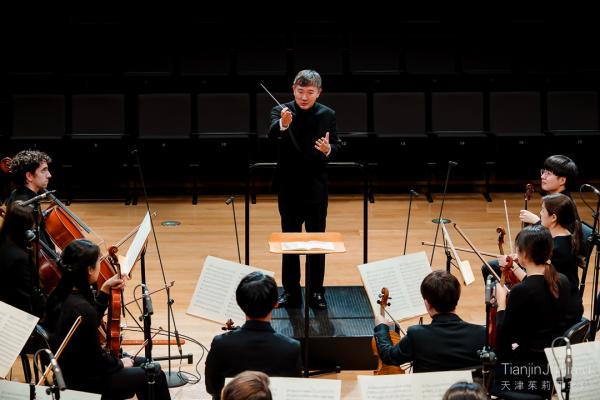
{"x": 439, "y": 220}
{"x": 411, "y": 193}
{"x": 486, "y": 355}
{"x": 173, "y": 378}
{"x": 231, "y": 200}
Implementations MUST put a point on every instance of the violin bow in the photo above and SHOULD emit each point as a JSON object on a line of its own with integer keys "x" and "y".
{"x": 510, "y": 240}
{"x": 61, "y": 348}
{"x": 476, "y": 251}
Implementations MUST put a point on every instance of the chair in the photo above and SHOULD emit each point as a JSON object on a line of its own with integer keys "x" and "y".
{"x": 579, "y": 332}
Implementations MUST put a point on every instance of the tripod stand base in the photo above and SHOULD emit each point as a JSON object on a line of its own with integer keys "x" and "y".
{"x": 174, "y": 379}
{"x": 442, "y": 220}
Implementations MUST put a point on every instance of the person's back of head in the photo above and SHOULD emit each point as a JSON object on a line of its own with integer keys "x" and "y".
{"x": 465, "y": 391}
{"x": 17, "y": 221}
{"x": 441, "y": 289}
{"x": 247, "y": 385}
{"x": 256, "y": 295}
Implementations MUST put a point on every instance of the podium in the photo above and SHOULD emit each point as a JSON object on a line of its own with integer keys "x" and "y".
{"x": 275, "y": 246}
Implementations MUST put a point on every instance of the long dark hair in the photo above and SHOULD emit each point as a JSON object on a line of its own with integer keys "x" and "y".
{"x": 535, "y": 241}
{"x": 74, "y": 262}
{"x": 17, "y": 221}
{"x": 566, "y": 216}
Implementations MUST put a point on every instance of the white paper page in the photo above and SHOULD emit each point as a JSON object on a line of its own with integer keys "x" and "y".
{"x": 310, "y": 245}
{"x": 214, "y": 297}
{"x": 464, "y": 266}
{"x": 15, "y": 328}
{"x": 137, "y": 244}
{"x": 303, "y": 389}
{"x": 421, "y": 386}
{"x": 585, "y": 382}
{"x": 19, "y": 391}
{"x": 402, "y": 276}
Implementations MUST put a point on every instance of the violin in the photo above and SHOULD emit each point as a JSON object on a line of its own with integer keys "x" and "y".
{"x": 113, "y": 328}
{"x": 507, "y": 277}
{"x": 528, "y": 191}
{"x": 383, "y": 369}
{"x": 49, "y": 273}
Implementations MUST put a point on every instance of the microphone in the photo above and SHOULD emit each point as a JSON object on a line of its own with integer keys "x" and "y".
{"x": 488, "y": 289}
{"x": 147, "y": 300}
{"x": 34, "y": 199}
{"x": 568, "y": 360}
{"x": 58, "y": 376}
{"x": 29, "y": 236}
{"x": 231, "y": 200}
{"x": 412, "y": 193}
{"x": 596, "y": 191}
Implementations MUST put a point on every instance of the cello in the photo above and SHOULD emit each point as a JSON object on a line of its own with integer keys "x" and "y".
{"x": 384, "y": 369}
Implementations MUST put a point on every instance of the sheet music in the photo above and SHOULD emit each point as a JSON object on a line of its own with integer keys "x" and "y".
{"x": 310, "y": 245}
{"x": 464, "y": 266}
{"x": 421, "y": 386}
{"x": 10, "y": 390}
{"x": 585, "y": 384}
{"x": 214, "y": 297}
{"x": 402, "y": 276}
{"x": 15, "y": 328}
{"x": 302, "y": 388}
{"x": 137, "y": 244}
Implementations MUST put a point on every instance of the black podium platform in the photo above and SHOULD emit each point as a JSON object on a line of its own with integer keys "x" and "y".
{"x": 340, "y": 335}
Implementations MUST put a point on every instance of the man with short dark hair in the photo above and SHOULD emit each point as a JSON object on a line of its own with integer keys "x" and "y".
{"x": 448, "y": 343}
{"x": 306, "y": 133}
{"x": 254, "y": 346}
{"x": 31, "y": 175}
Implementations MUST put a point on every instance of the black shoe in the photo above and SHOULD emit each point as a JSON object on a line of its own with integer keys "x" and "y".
{"x": 289, "y": 300}
{"x": 317, "y": 301}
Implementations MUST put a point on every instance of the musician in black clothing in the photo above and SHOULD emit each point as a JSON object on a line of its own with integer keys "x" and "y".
{"x": 19, "y": 285}
{"x": 448, "y": 343}
{"x": 31, "y": 175}
{"x": 255, "y": 346}
{"x": 559, "y": 215}
{"x": 85, "y": 365}
{"x": 539, "y": 309}
{"x": 307, "y": 136}
{"x": 557, "y": 175}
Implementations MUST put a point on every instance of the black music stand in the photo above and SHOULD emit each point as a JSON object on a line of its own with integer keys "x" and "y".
{"x": 275, "y": 246}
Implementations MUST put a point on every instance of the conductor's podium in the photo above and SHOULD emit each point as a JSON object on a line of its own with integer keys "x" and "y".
{"x": 339, "y": 336}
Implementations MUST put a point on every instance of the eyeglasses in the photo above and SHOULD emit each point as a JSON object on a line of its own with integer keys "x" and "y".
{"x": 545, "y": 172}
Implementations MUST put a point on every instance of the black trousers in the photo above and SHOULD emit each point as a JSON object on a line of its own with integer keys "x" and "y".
{"x": 125, "y": 383}
{"x": 313, "y": 216}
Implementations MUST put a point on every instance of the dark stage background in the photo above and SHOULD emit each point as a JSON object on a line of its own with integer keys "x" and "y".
{"x": 497, "y": 93}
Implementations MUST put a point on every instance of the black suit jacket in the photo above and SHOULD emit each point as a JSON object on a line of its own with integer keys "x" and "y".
{"x": 255, "y": 346}
{"x": 23, "y": 193}
{"x": 301, "y": 169}
{"x": 448, "y": 343}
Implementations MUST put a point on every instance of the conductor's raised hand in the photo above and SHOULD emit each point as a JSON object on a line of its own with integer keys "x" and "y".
{"x": 323, "y": 145}
{"x": 286, "y": 117}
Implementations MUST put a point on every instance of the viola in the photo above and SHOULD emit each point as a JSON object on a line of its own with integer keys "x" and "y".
{"x": 49, "y": 272}
{"x": 383, "y": 369}
{"x": 507, "y": 277}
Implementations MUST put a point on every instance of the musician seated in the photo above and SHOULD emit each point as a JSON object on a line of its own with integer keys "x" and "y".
{"x": 465, "y": 391}
{"x": 255, "y": 346}
{"x": 85, "y": 364}
{"x": 538, "y": 310}
{"x": 18, "y": 286}
{"x": 248, "y": 385}
{"x": 448, "y": 343}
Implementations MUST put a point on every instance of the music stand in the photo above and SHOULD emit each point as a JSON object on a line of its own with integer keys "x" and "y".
{"x": 275, "y": 246}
